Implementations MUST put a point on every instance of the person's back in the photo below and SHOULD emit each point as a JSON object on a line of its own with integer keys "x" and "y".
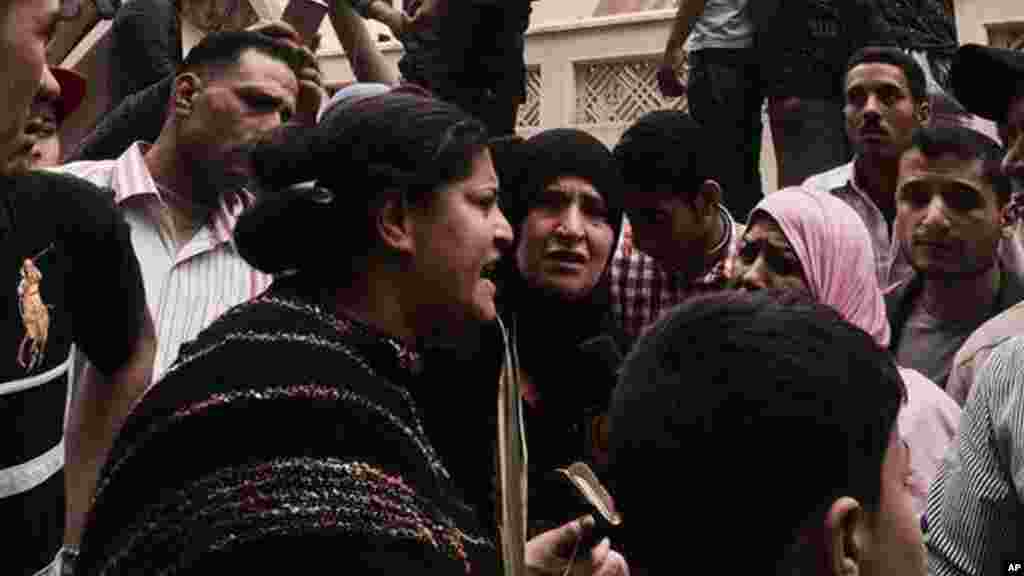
{"x": 730, "y": 387}
{"x": 344, "y": 430}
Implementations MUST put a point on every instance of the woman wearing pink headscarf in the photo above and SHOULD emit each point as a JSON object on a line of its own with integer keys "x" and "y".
{"x": 815, "y": 243}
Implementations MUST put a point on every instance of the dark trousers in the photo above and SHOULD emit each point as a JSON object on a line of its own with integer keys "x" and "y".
{"x": 809, "y": 135}
{"x": 725, "y": 96}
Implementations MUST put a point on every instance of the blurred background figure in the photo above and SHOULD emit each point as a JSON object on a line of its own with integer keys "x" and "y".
{"x": 469, "y": 53}
{"x": 48, "y": 113}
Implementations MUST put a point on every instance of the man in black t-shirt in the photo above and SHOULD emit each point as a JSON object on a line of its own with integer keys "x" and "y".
{"x": 70, "y": 277}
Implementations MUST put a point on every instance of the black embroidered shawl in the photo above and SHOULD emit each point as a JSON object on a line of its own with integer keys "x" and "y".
{"x": 282, "y": 432}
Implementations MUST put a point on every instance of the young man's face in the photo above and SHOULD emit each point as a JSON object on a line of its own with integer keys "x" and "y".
{"x": 25, "y": 28}
{"x": 668, "y": 228}
{"x": 880, "y": 110}
{"x": 948, "y": 217}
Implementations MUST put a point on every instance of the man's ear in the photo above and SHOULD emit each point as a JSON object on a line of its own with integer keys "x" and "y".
{"x": 186, "y": 87}
{"x": 709, "y": 197}
{"x": 393, "y": 222}
{"x": 846, "y": 537}
{"x": 1006, "y": 218}
{"x": 924, "y": 111}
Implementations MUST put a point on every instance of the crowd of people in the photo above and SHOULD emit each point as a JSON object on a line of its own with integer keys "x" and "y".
{"x": 254, "y": 326}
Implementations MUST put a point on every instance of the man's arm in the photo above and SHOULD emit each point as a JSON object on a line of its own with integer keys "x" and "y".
{"x": 99, "y": 405}
{"x": 368, "y": 64}
{"x": 687, "y": 14}
{"x": 110, "y": 326}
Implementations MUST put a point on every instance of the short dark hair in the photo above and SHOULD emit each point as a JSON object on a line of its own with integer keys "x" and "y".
{"x": 737, "y": 390}
{"x": 667, "y": 150}
{"x": 892, "y": 55}
{"x": 401, "y": 140}
{"x": 968, "y": 145}
{"x": 218, "y": 50}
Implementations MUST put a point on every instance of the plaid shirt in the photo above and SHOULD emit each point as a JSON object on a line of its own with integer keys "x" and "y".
{"x": 641, "y": 289}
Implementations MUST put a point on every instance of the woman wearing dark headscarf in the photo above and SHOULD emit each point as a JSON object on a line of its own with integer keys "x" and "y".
{"x": 561, "y": 193}
{"x": 285, "y": 435}
{"x": 566, "y": 214}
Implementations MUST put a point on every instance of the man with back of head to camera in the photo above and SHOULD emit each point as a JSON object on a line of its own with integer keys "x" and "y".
{"x": 734, "y": 381}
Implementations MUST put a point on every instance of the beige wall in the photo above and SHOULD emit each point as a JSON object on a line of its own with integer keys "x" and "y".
{"x": 978, "y": 21}
{"x": 546, "y": 11}
{"x": 563, "y": 36}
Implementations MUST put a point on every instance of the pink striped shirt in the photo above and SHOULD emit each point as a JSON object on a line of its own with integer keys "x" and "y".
{"x": 186, "y": 288}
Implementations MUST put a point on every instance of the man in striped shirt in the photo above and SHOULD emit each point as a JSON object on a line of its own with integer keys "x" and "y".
{"x": 976, "y": 504}
{"x": 182, "y": 194}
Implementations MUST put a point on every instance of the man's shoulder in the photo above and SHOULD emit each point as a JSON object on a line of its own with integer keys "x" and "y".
{"x": 998, "y": 379}
{"x": 56, "y": 191}
{"x": 829, "y": 180}
{"x": 996, "y": 330}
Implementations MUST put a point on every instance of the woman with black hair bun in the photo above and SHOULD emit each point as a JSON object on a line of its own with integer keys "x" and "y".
{"x": 286, "y": 433}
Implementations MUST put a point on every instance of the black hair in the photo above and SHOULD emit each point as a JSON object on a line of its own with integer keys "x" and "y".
{"x": 667, "y": 150}
{"x": 892, "y": 55}
{"x": 966, "y": 144}
{"x": 749, "y": 412}
{"x": 401, "y": 141}
{"x": 506, "y": 151}
{"x": 218, "y": 50}
{"x": 539, "y": 161}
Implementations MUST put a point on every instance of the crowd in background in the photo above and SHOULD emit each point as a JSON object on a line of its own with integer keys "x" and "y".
{"x": 257, "y": 326}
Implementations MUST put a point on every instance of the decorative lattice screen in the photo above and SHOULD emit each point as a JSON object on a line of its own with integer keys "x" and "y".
{"x": 1007, "y": 36}
{"x": 620, "y": 91}
{"x": 529, "y": 111}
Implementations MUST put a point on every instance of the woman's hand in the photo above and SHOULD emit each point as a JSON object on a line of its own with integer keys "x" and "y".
{"x": 556, "y": 552}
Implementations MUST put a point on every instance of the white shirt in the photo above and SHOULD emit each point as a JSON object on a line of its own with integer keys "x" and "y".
{"x": 186, "y": 288}
{"x": 723, "y": 24}
{"x": 890, "y": 266}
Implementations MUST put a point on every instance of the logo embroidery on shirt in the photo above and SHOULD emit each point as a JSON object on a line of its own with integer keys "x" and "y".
{"x": 35, "y": 314}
